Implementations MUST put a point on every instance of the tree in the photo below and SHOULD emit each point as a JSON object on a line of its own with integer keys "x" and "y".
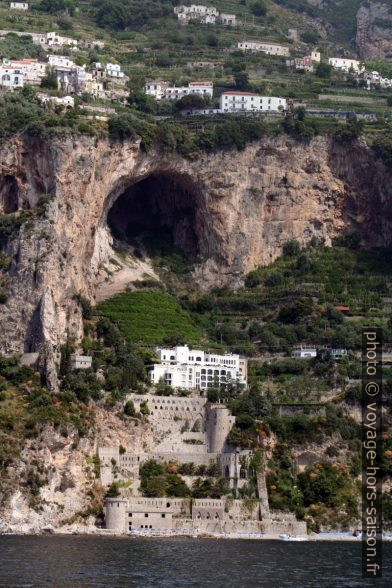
{"x": 50, "y": 80}
{"x": 176, "y": 486}
{"x": 291, "y": 248}
{"x": 113, "y": 491}
{"x": 189, "y": 102}
{"x": 323, "y": 70}
{"x": 138, "y": 99}
{"x": 310, "y": 37}
{"x": 65, "y": 362}
{"x": 350, "y": 131}
{"x": 259, "y": 8}
{"x": 57, "y": 6}
{"x": 241, "y": 79}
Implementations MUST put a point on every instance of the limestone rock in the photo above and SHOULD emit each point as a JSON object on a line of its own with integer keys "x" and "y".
{"x": 374, "y": 31}
{"x": 237, "y": 211}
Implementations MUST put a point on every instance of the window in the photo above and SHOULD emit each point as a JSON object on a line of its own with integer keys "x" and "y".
{"x": 146, "y": 515}
{"x": 163, "y": 515}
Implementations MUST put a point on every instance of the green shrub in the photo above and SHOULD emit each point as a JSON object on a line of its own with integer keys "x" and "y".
{"x": 129, "y": 409}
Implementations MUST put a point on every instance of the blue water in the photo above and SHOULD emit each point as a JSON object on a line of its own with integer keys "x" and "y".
{"x": 72, "y": 562}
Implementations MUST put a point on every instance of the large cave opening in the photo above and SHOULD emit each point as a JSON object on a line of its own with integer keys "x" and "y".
{"x": 158, "y": 215}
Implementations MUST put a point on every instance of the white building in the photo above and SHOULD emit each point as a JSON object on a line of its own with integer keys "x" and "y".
{"x": 161, "y": 90}
{"x": 113, "y": 70}
{"x": 267, "y": 47}
{"x": 53, "y": 40}
{"x": 346, "y": 64}
{"x": 250, "y": 102}
{"x": 374, "y": 78}
{"x": 304, "y": 352}
{"x": 229, "y": 20}
{"x": 11, "y": 77}
{"x": 78, "y": 362}
{"x": 316, "y": 56}
{"x": 199, "y": 12}
{"x": 182, "y": 367}
{"x": 156, "y": 88}
{"x": 33, "y": 71}
{"x": 60, "y": 61}
{"x": 66, "y": 102}
{"x": 19, "y": 6}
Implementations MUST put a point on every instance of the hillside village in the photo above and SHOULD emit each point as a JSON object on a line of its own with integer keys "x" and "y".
{"x": 62, "y": 76}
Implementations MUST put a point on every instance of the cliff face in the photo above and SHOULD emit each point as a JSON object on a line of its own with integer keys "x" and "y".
{"x": 234, "y": 209}
{"x": 70, "y": 488}
{"x": 374, "y": 31}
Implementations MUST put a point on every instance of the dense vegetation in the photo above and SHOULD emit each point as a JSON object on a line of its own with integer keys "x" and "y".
{"x": 293, "y": 300}
{"x": 165, "y": 480}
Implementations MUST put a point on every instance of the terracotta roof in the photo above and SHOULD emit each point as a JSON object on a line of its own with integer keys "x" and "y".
{"x": 342, "y": 308}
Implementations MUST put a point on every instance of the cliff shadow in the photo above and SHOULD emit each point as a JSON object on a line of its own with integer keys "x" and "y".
{"x": 158, "y": 216}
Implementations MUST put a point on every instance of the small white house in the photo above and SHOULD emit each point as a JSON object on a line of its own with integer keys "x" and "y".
{"x": 250, "y": 102}
{"x": 55, "y": 40}
{"x": 316, "y": 56}
{"x": 19, "y": 6}
{"x": 11, "y": 77}
{"x": 229, "y": 20}
{"x": 60, "y": 61}
{"x": 156, "y": 89}
{"x": 113, "y": 70}
{"x": 304, "y": 352}
{"x": 81, "y": 362}
{"x": 66, "y": 102}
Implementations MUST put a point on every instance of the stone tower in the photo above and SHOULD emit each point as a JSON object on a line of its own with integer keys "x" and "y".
{"x": 219, "y": 422}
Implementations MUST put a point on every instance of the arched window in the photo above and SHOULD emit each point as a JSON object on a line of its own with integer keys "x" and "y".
{"x": 227, "y": 472}
{"x": 208, "y": 516}
{"x": 242, "y": 472}
{"x": 198, "y": 358}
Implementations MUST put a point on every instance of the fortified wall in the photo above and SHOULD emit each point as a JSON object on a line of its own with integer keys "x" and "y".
{"x": 206, "y": 446}
{"x": 205, "y": 515}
